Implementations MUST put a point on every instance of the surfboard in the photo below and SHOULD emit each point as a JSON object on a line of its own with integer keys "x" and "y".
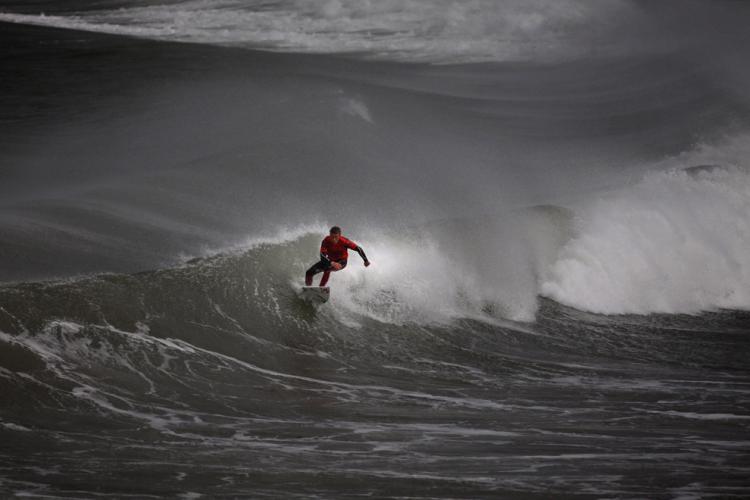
{"x": 315, "y": 294}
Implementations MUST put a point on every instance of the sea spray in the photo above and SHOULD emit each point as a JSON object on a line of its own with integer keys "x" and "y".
{"x": 677, "y": 242}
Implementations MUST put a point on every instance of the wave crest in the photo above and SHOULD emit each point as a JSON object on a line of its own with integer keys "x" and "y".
{"x": 417, "y": 30}
{"x": 674, "y": 243}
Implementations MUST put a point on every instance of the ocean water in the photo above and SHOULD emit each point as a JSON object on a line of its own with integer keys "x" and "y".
{"x": 555, "y": 197}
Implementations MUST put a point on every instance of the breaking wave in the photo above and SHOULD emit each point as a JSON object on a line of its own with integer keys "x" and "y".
{"x": 676, "y": 242}
{"x": 417, "y": 30}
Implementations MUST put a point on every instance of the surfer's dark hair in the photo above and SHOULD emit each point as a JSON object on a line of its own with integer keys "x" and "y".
{"x": 335, "y": 230}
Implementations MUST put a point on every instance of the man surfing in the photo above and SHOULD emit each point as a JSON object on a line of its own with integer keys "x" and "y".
{"x": 334, "y": 252}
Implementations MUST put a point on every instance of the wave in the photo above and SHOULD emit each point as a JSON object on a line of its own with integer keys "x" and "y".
{"x": 139, "y": 346}
{"x": 419, "y": 30}
{"x": 676, "y": 242}
{"x": 482, "y": 267}
{"x": 220, "y": 352}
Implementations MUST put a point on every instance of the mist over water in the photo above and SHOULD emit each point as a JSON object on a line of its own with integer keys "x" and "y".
{"x": 554, "y": 195}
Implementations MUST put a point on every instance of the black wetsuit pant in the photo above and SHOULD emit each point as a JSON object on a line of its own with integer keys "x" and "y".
{"x": 322, "y": 266}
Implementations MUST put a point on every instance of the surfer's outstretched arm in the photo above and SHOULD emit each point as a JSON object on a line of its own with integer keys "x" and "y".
{"x": 362, "y": 254}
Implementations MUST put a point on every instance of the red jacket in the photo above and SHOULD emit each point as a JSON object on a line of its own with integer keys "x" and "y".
{"x": 337, "y": 251}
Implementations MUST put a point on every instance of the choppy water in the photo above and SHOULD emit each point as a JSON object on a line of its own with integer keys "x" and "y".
{"x": 558, "y": 219}
{"x": 215, "y": 378}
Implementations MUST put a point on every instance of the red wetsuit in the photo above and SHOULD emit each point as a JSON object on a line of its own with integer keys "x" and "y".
{"x": 333, "y": 252}
{"x": 337, "y": 251}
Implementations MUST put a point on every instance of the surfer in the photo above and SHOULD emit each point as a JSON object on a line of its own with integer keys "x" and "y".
{"x": 334, "y": 252}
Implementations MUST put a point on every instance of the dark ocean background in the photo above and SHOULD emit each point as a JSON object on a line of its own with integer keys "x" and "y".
{"x": 555, "y": 196}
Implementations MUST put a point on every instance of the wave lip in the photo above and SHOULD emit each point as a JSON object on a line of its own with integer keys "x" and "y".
{"x": 674, "y": 243}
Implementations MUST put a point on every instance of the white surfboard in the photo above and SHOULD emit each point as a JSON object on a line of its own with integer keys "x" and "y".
{"x": 315, "y": 294}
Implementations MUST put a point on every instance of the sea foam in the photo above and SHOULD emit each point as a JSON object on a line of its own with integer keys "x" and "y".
{"x": 676, "y": 242}
{"x": 417, "y": 30}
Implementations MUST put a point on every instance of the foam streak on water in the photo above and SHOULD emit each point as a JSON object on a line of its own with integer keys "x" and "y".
{"x": 219, "y": 365}
{"x": 417, "y": 30}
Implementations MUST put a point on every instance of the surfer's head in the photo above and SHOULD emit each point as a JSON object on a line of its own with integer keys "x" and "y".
{"x": 335, "y": 232}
